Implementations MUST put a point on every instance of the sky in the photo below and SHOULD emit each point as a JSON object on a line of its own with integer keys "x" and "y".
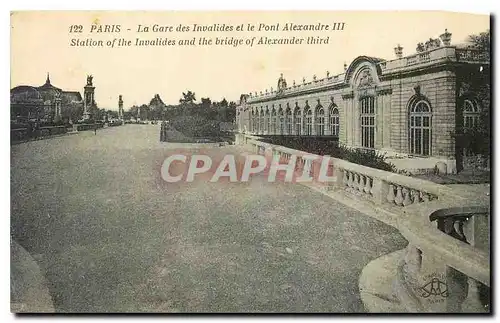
{"x": 40, "y": 44}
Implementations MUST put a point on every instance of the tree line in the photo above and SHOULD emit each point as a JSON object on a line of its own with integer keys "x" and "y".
{"x": 222, "y": 111}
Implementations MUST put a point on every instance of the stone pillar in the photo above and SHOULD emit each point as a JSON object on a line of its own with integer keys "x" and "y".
{"x": 347, "y": 126}
{"x": 386, "y": 137}
{"x": 57, "y": 115}
{"x": 120, "y": 107}
{"x": 379, "y": 121}
{"x": 313, "y": 121}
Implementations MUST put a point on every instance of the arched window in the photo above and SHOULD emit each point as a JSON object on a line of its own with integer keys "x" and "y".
{"x": 266, "y": 121}
{"x": 261, "y": 123}
{"x": 298, "y": 121}
{"x": 273, "y": 121}
{"x": 334, "y": 121}
{"x": 289, "y": 121}
{"x": 320, "y": 121}
{"x": 309, "y": 118}
{"x": 368, "y": 122}
{"x": 471, "y": 114}
{"x": 281, "y": 121}
{"x": 420, "y": 128}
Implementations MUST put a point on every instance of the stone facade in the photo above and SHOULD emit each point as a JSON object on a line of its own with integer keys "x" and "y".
{"x": 405, "y": 107}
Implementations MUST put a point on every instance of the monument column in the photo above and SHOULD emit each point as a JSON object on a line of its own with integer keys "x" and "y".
{"x": 120, "y": 107}
{"x": 88, "y": 101}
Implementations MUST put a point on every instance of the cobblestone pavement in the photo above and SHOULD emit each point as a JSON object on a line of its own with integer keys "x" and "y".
{"x": 111, "y": 236}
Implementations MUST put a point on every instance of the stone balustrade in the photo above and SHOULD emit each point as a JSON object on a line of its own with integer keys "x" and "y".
{"x": 86, "y": 126}
{"x": 440, "y": 54}
{"x": 446, "y": 266}
{"x": 472, "y": 55}
{"x": 372, "y": 185}
{"x": 443, "y": 269}
{"x": 299, "y": 87}
{"x": 22, "y": 134}
{"x": 433, "y": 56}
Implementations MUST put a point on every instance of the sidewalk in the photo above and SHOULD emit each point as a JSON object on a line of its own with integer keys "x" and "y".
{"x": 28, "y": 288}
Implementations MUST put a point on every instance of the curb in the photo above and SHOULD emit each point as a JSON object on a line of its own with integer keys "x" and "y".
{"x": 376, "y": 285}
{"x": 28, "y": 287}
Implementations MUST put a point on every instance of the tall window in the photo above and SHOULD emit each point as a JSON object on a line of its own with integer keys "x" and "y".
{"x": 420, "y": 128}
{"x": 320, "y": 121}
{"x": 266, "y": 121}
{"x": 309, "y": 118}
{"x": 471, "y": 114}
{"x": 471, "y": 119}
{"x": 368, "y": 122}
{"x": 261, "y": 123}
{"x": 298, "y": 121}
{"x": 281, "y": 121}
{"x": 289, "y": 120}
{"x": 334, "y": 121}
{"x": 273, "y": 121}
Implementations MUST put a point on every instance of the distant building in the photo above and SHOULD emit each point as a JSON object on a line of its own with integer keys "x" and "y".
{"x": 405, "y": 107}
{"x": 45, "y": 103}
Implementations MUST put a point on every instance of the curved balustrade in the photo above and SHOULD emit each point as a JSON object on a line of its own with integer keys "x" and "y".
{"x": 446, "y": 267}
{"x": 373, "y": 185}
{"x": 446, "y": 264}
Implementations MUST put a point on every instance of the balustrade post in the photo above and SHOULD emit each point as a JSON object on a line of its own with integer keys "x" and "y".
{"x": 368, "y": 186}
{"x": 380, "y": 189}
{"x": 340, "y": 179}
{"x": 361, "y": 184}
{"x": 350, "y": 181}
{"x": 472, "y": 303}
{"x": 399, "y": 196}
{"x": 413, "y": 259}
{"x": 406, "y": 197}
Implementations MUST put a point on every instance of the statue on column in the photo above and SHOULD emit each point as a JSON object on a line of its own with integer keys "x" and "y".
{"x": 89, "y": 80}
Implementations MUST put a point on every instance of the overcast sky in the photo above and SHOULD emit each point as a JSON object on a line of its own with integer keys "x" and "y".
{"x": 40, "y": 44}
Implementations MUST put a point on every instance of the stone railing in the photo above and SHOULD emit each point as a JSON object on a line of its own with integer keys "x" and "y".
{"x": 22, "y": 134}
{"x": 437, "y": 55}
{"x": 87, "y": 126}
{"x": 314, "y": 84}
{"x": 446, "y": 265}
{"x": 368, "y": 184}
{"x": 472, "y": 55}
{"x": 449, "y": 264}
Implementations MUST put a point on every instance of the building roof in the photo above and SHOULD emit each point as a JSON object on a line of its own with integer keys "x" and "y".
{"x": 72, "y": 96}
{"x": 24, "y": 93}
{"x": 46, "y": 92}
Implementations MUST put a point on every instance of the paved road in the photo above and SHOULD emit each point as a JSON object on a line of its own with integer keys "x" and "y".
{"x": 112, "y": 237}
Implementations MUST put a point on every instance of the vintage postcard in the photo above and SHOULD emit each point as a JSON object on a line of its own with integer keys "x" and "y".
{"x": 250, "y": 162}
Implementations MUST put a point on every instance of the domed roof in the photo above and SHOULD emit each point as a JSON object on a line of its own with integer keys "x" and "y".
{"x": 48, "y": 91}
{"x": 24, "y": 93}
